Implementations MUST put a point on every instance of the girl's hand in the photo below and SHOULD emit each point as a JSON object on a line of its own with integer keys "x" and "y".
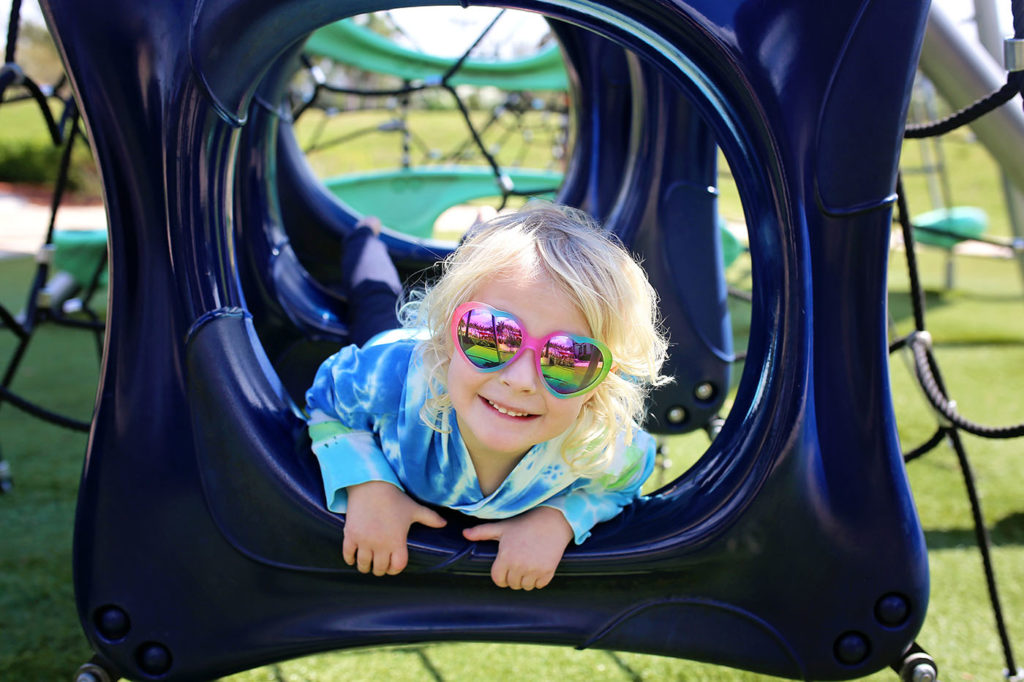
{"x": 377, "y": 527}
{"x": 529, "y": 547}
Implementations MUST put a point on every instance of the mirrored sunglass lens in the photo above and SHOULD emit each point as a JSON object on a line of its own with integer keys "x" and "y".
{"x": 568, "y": 365}
{"x": 487, "y": 341}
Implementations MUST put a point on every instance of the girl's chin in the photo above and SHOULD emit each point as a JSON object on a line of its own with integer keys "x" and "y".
{"x": 501, "y": 434}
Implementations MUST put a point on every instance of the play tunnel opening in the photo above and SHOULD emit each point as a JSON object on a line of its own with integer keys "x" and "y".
{"x": 609, "y": 156}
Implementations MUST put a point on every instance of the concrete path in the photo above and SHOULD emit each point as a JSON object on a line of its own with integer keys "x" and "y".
{"x": 25, "y": 215}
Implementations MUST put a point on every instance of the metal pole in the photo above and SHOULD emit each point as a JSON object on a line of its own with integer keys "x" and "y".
{"x": 963, "y": 73}
{"x": 986, "y": 19}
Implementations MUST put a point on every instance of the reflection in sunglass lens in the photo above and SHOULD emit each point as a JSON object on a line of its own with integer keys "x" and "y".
{"x": 486, "y": 340}
{"x": 568, "y": 365}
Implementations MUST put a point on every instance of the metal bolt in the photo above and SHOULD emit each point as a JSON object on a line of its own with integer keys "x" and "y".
{"x": 892, "y": 610}
{"x": 676, "y": 415}
{"x": 90, "y": 672}
{"x": 852, "y": 648}
{"x": 154, "y": 658}
{"x": 704, "y": 391}
{"x": 6, "y": 478}
{"x": 714, "y": 426}
{"x": 1013, "y": 54}
{"x": 45, "y": 254}
{"x": 923, "y": 672}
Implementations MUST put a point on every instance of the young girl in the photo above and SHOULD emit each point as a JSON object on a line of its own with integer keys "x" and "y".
{"x": 519, "y": 405}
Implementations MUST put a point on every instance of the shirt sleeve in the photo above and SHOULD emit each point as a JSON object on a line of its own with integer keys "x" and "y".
{"x": 601, "y": 498}
{"x": 352, "y": 390}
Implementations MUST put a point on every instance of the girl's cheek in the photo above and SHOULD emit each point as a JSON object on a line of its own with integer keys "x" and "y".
{"x": 459, "y": 378}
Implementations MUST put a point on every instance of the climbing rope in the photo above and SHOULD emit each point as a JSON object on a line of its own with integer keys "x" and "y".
{"x": 1012, "y": 88}
{"x": 64, "y": 133}
{"x": 926, "y": 368}
{"x": 12, "y": 75}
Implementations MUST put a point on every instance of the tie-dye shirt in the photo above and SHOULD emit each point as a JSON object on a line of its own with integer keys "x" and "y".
{"x": 364, "y": 421}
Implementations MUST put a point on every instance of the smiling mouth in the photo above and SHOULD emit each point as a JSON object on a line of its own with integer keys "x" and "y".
{"x": 507, "y": 412}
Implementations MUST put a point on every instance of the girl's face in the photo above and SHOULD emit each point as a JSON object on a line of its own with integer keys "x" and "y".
{"x": 504, "y": 413}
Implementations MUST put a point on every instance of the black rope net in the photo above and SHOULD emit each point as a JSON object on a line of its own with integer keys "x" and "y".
{"x": 919, "y": 344}
{"x": 515, "y": 116}
{"x": 48, "y": 300}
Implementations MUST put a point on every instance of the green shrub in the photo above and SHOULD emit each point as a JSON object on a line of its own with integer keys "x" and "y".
{"x": 37, "y": 162}
{"x": 28, "y": 161}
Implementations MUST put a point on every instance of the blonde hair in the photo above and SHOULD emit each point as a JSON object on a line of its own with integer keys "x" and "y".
{"x": 598, "y": 275}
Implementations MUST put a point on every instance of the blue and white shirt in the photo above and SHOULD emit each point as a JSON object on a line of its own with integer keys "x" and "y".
{"x": 364, "y": 421}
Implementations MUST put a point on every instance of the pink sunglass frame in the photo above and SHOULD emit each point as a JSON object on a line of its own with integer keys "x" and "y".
{"x": 532, "y": 343}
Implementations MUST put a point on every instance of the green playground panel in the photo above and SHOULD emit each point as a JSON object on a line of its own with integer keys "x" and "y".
{"x": 347, "y": 42}
{"x": 732, "y": 247}
{"x": 962, "y": 222}
{"x": 410, "y": 200}
{"x": 79, "y": 253}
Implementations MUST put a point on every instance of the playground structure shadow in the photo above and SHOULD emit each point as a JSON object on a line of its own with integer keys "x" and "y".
{"x": 1007, "y": 531}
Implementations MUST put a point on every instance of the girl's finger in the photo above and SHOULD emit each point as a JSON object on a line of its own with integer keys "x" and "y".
{"x": 381, "y": 562}
{"x": 364, "y": 560}
{"x": 499, "y": 575}
{"x": 399, "y": 559}
{"x": 514, "y": 579}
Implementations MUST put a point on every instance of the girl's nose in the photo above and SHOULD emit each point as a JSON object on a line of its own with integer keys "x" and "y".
{"x": 521, "y": 374}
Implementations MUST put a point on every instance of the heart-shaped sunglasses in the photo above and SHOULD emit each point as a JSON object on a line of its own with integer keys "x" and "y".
{"x": 490, "y": 339}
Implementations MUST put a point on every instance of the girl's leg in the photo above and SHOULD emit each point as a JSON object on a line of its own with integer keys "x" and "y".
{"x": 373, "y": 283}
{"x": 366, "y": 257}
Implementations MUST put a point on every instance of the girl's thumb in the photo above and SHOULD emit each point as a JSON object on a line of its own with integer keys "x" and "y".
{"x": 429, "y": 517}
{"x": 485, "y": 531}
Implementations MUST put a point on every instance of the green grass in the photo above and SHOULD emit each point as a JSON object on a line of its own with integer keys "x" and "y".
{"x": 974, "y": 178}
{"x": 41, "y": 639}
{"x": 979, "y": 333}
{"x": 436, "y": 135}
{"x": 21, "y": 122}
{"x": 27, "y": 152}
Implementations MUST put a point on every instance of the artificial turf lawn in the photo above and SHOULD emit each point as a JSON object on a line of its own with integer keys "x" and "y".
{"x": 979, "y": 331}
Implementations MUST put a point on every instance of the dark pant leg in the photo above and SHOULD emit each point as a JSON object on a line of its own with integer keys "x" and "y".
{"x": 372, "y": 304}
{"x": 371, "y": 310}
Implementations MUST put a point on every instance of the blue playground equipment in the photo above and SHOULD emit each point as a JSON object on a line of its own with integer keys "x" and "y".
{"x": 792, "y": 547}
{"x": 611, "y": 99}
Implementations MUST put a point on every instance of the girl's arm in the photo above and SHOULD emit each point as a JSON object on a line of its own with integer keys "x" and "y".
{"x": 353, "y": 391}
{"x": 350, "y": 390}
{"x": 602, "y": 498}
